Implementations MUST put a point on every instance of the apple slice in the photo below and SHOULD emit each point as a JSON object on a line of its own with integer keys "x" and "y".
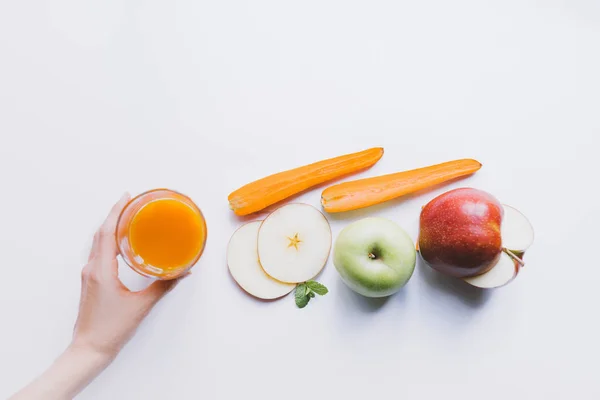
{"x": 294, "y": 243}
{"x": 244, "y": 266}
{"x": 517, "y": 235}
{"x": 516, "y": 230}
{"x": 504, "y": 271}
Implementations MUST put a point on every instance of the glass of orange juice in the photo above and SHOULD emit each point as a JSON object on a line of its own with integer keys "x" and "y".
{"x": 161, "y": 234}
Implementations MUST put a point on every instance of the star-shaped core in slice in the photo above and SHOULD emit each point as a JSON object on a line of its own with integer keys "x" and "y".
{"x": 294, "y": 241}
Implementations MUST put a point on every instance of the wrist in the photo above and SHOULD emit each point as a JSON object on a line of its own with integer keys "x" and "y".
{"x": 68, "y": 375}
{"x": 89, "y": 354}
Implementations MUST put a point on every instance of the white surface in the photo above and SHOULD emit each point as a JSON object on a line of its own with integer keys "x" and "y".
{"x": 203, "y": 96}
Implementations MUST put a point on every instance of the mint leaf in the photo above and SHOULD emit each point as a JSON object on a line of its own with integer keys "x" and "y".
{"x": 301, "y": 302}
{"x": 318, "y": 288}
{"x": 301, "y": 295}
{"x": 301, "y": 290}
{"x": 307, "y": 290}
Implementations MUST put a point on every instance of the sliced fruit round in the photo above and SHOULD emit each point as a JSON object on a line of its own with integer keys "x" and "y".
{"x": 516, "y": 230}
{"x": 244, "y": 266}
{"x": 294, "y": 243}
{"x": 504, "y": 271}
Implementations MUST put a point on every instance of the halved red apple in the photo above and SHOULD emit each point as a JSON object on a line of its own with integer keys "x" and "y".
{"x": 517, "y": 235}
{"x": 504, "y": 271}
{"x": 516, "y": 230}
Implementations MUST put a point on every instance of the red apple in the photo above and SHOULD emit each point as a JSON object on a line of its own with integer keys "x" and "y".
{"x": 517, "y": 236}
{"x": 460, "y": 232}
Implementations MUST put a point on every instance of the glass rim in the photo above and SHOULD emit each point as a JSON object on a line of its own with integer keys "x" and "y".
{"x": 185, "y": 269}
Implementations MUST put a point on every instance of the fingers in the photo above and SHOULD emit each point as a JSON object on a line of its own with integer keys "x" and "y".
{"x": 105, "y": 245}
{"x": 110, "y": 224}
{"x": 159, "y": 289}
{"x": 94, "y": 247}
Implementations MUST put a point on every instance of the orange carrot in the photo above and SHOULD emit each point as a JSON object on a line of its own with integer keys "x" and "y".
{"x": 264, "y": 192}
{"x": 366, "y": 192}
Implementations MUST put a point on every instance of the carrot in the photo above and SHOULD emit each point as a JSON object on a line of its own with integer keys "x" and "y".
{"x": 367, "y": 192}
{"x": 264, "y": 192}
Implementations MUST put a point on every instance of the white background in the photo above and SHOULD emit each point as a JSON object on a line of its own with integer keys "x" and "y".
{"x": 203, "y": 96}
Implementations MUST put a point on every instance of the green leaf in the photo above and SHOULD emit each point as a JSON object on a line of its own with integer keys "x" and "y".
{"x": 311, "y": 294}
{"x": 301, "y": 290}
{"x": 301, "y": 302}
{"x": 318, "y": 288}
{"x": 301, "y": 295}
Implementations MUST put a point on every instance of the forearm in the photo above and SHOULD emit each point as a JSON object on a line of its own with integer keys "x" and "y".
{"x": 70, "y": 373}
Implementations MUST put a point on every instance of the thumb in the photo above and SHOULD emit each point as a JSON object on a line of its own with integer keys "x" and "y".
{"x": 158, "y": 289}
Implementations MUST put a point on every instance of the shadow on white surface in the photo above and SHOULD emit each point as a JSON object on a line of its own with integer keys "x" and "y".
{"x": 352, "y": 302}
{"x": 466, "y": 294}
{"x": 241, "y": 220}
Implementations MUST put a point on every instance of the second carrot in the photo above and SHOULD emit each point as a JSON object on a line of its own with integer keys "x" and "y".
{"x": 370, "y": 191}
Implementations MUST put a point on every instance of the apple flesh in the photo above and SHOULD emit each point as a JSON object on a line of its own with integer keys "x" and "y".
{"x": 460, "y": 232}
{"x": 374, "y": 257}
{"x": 245, "y": 268}
{"x": 294, "y": 243}
{"x": 503, "y": 272}
{"x": 517, "y": 231}
{"x": 517, "y": 236}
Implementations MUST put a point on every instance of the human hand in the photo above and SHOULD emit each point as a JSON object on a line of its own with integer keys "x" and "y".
{"x": 108, "y": 316}
{"x": 108, "y": 312}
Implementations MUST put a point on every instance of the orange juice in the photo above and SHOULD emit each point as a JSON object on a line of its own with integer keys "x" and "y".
{"x": 167, "y": 234}
{"x": 161, "y": 233}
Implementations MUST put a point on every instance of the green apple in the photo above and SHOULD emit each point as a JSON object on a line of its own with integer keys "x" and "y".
{"x": 374, "y": 256}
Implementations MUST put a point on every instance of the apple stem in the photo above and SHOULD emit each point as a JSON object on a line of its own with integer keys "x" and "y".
{"x": 372, "y": 256}
{"x": 514, "y": 257}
